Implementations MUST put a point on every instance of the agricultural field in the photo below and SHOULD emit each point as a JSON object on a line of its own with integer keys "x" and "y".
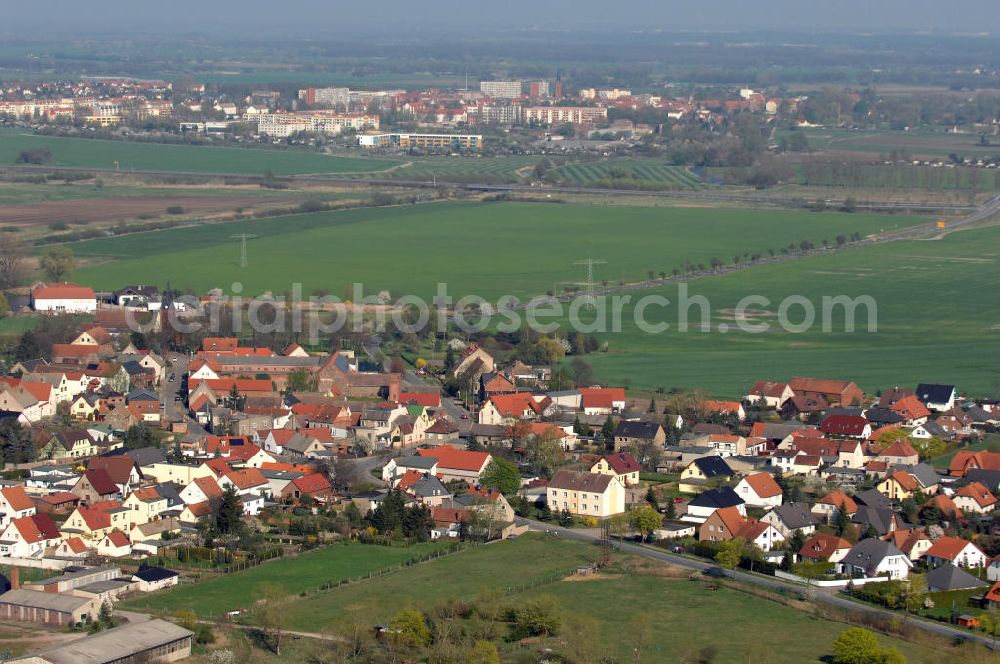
{"x": 408, "y": 250}
{"x": 487, "y": 170}
{"x": 215, "y": 595}
{"x": 535, "y": 565}
{"x": 917, "y": 142}
{"x": 96, "y": 153}
{"x": 938, "y": 320}
{"x": 628, "y": 173}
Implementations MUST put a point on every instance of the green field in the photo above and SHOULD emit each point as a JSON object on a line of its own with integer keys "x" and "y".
{"x": 685, "y": 615}
{"x": 916, "y": 142}
{"x": 938, "y": 321}
{"x": 215, "y": 595}
{"x": 628, "y": 171}
{"x": 95, "y": 153}
{"x": 527, "y": 559}
{"x": 488, "y": 249}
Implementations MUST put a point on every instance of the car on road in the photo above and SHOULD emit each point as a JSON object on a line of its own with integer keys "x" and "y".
{"x": 177, "y": 397}
{"x": 171, "y": 379}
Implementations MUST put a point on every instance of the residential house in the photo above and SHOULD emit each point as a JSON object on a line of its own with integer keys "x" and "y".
{"x": 947, "y": 577}
{"x": 721, "y": 525}
{"x": 314, "y": 485}
{"x": 631, "y": 433}
{"x": 424, "y": 487}
{"x": 899, "y": 453}
{"x": 454, "y": 464}
{"x": 791, "y": 518}
{"x": 829, "y": 506}
{"x": 114, "y": 545}
{"x": 96, "y": 486}
{"x": 29, "y": 536}
{"x": 14, "y": 504}
{"x": 622, "y": 465}
{"x": 975, "y": 498}
{"x": 508, "y": 408}
{"x": 71, "y": 444}
{"x": 914, "y": 542}
{"x": 769, "y": 394}
{"x": 936, "y": 397}
{"x": 585, "y": 494}
{"x": 155, "y": 578}
{"x": 956, "y": 551}
{"x": 716, "y": 407}
{"x": 703, "y": 505}
{"x": 824, "y": 547}
{"x": 602, "y": 400}
{"x": 846, "y": 426}
{"x": 834, "y": 392}
{"x": 898, "y": 486}
{"x": 759, "y": 490}
{"x": 965, "y": 461}
{"x": 873, "y": 557}
{"x": 473, "y": 356}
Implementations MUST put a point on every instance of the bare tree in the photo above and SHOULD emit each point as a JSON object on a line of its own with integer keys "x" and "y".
{"x": 13, "y": 260}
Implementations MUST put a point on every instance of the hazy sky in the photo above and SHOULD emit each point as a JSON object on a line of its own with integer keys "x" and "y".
{"x": 406, "y": 15}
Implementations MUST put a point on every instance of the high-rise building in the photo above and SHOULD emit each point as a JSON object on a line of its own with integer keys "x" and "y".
{"x": 501, "y": 89}
{"x": 538, "y": 89}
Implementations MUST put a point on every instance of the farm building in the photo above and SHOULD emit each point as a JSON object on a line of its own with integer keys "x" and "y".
{"x": 33, "y": 606}
{"x": 63, "y": 298}
{"x": 150, "y": 641}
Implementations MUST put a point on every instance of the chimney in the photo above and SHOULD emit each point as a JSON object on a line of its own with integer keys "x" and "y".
{"x": 15, "y": 578}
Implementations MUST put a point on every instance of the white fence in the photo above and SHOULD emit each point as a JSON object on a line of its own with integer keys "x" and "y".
{"x": 833, "y": 583}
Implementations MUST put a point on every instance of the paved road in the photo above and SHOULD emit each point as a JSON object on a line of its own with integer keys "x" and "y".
{"x": 823, "y": 596}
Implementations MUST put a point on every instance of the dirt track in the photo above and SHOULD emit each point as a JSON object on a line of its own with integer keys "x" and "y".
{"x": 118, "y": 208}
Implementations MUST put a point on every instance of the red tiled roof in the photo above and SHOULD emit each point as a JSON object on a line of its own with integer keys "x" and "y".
{"x": 714, "y": 406}
{"x": 246, "y": 478}
{"x": 900, "y": 448}
{"x": 74, "y": 350}
{"x": 514, "y": 405}
{"x": 118, "y": 538}
{"x": 948, "y": 548}
{"x": 764, "y": 485}
{"x": 821, "y": 546}
{"x": 36, "y": 528}
{"x": 101, "y": 481}
{"x": 601, "y": 397}
{"x": 17, "y": 498}
{"x": 425, "y": 399}
{"x": 451, "y": 459}
{"x": 910, "y": 407}
{"x": 310, "y": 484}
{"x": 965, "y": 461}
{"x": 118, "y": 468}
{"x": 844, "y": 425}
{"x": 978, "y": 492}
{"x": 208, "y": 486}
{"x": 838, "y": 498}
{"x": 219, "y": 343}
{"x": 622, "y": 463}
{"x": 65, "y": 291}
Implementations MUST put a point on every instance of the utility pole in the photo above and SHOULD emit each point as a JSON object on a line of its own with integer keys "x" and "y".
{"x": 590, "y": 263}
{"x": 243, "y": 237}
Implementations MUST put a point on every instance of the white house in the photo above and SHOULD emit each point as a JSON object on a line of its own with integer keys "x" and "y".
{"x": 759, "y": 490}
{"x": 29, "y": 536}
{"x": 873, "y": 557}
{"x": 63, "y": 298}
{"x": 957, "y": 551}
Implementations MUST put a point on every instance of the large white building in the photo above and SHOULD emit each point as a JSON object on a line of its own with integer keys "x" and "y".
{"x": 282, "y": 125}
{"x": 501, "y": 89}
{"x": 63, "y": 298}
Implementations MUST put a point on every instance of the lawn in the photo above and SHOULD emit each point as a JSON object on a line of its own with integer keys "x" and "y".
{"x": 685, "y": 615}
{"x": 884, "y": 141}
{"x": 94, "y": 153}
{"x": 214, "y": 595}
{"x": 487, "y": 249}
{"x": 502, "y": 565}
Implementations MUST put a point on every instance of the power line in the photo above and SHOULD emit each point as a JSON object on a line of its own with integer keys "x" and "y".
{"x": 243, "y": 237}
{"x": 590, "y": 263}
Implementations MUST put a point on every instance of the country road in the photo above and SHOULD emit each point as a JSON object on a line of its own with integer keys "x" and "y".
{"x": 823, "y": 596}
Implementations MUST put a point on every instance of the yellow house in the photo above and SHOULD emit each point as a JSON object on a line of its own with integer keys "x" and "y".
{"x": 622, "y": 465}
{"x": 84, "y": 407}
{"x": 586, "y": 494}
{"x": 94, "y": 523}
{"x": 73, "y": 444}
{"x": 898, "y": 486}
{"x": 146, "y": 505}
